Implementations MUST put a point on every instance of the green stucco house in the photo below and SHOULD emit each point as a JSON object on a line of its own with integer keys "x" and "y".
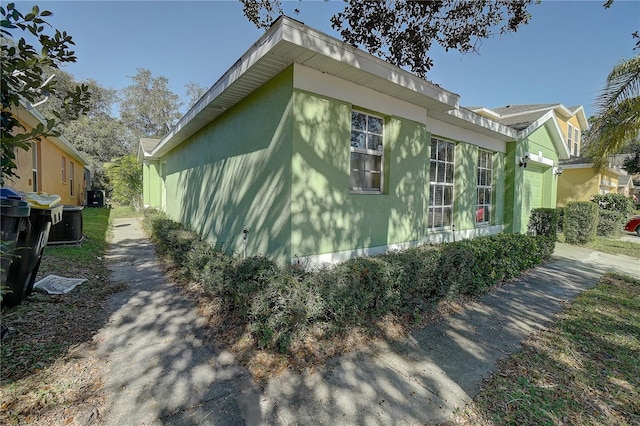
{"x": 323, "y": 152}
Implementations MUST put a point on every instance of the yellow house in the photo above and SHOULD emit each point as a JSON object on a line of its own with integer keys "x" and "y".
{"x": 52, "y": 165}
{"x": 580, "y": 180}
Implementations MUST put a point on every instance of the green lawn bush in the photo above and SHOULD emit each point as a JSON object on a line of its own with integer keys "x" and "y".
{"x": 610, "y": 223}
{"x": 614, "y": 202}
{"x": 279, "y": 303}
{"x": 543, "y": 221}
{"x": 580, "y": 222}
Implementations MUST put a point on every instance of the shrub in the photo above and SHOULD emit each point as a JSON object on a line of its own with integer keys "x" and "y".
{"x": 543, "y": 222}
{"x": 610, "y": 223}
{"x": 560, "y": 216}
{"x": 278, "y": 304}
{"x": 580, "y": 222}
{"x": 614, "y": 202}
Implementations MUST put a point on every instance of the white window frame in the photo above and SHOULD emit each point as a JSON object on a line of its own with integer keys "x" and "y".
{"x": 576, "y": 141}
{"x": 71, "y": 172}
{"x": 34, "y": 167}
{"x": 569, "y": 137}
{"x": 64, "y": 169}
{"x": 443, "y": 183}
{"x": 367, "y": 136}
{"x": 484, "y": 183}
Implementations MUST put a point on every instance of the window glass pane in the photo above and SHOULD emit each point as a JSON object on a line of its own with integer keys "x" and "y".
{"x": 432, "y": 171}
{"x": 438, "y": 196}
{"x": 434, "y": 148}
{"x": 487, "y": 213}
{"x": 489, "y": 161}
{"x": 442, "y": 150}
{"x": 450, "y": 151}
{"x": 480, "y": 196}
{"x": 375, "y": 142}
{"x": 375, "y": 125}
{"x": 446, "y": 216}
{"x": 449, "y": 173}
{"x": 357, "y": 161}
{"x": 372, "y": 162}
{"x": 358, "y": 121}
{"x": 356, "y": 179}
{"x": 437, "y": 217}
{"x": 372, "y": 181}
{"x": 448, "y": 195}
{"x": 440, "y": 173}
{"x": 358, "y": 139}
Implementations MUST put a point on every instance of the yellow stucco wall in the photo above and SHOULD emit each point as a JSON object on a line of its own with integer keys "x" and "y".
{"x": 581, "y": 184}
{"x": 50, "y": 172}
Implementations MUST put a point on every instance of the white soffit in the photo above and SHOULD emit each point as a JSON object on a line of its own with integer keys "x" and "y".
{"x": 288, "y": 42}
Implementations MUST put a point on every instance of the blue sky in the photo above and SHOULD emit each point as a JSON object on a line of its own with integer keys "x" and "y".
{"x": 563, "y": 55}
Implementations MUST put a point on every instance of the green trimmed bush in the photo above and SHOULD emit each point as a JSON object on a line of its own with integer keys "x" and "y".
{"x": 277, "y": 304}
{"x": 614, "y": 202}
{"x": 610, "y": 223}
{"x": 580, "y": 222}
{"x": 543, "y": 222}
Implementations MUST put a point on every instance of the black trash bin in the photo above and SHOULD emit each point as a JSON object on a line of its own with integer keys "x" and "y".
{"x": 14, "y": 219}
{"x": 28, "y": 253}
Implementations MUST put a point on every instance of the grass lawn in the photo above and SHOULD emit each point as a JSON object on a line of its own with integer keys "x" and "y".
{"x": 584, "y": 369}
{"x": 45, "y": 372}
{"x": 611, "y": 246}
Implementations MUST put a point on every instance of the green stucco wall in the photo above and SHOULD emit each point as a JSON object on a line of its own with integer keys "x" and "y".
{"x": 152, "y": 185}
{"x": 235, "y": 173}
{"x": 531, "y": 187}
{"x": 325, "y": 216}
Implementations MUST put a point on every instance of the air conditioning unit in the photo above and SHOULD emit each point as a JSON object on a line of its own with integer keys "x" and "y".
{"x": 69, "y": 229}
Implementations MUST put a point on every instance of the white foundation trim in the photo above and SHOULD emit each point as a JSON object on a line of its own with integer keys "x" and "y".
{"x": 445, "y": 236}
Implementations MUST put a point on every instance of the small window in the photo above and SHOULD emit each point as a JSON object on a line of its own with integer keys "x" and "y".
{"x": 64, "y": 169}
{"x": 34, "y": 167}
{"x": 485, "y": 182}
{"x": 71, "y": 170}
{"x": 569, "y": 137}
{"x": 441, "y": 178}
{"x": 367, "y": 146}
{"x": 576, "y": 141}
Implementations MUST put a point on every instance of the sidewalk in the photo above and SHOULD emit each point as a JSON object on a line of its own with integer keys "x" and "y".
{"x": 165, "y": 369}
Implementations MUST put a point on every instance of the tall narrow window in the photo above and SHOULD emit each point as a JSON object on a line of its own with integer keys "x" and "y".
{"x": 441, "y": 184}
{"x": 64, "y": 169}
{"x": 71, "y": 171}
{"x": 569, "y": 137}
{"x": 576, "y": 141}
{"x": 485, "y": 182}
{"x": 367, "y": 144}
{"x": 34, "y": 167}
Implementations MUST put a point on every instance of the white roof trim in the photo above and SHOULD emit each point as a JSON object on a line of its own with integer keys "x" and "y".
{"x": 549, "y": 120}
{"x": 33, "y": 118}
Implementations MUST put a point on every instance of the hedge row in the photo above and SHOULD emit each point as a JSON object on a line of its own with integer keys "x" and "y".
{"x": 279, "y": 303}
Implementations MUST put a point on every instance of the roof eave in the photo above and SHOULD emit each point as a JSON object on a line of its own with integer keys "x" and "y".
{"x": 287, "y": 42}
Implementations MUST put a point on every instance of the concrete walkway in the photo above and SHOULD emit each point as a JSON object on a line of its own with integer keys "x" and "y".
{"x": 164, "y": 368}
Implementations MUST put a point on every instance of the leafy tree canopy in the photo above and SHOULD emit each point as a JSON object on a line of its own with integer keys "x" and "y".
{"x": 402, "y": 32}
{"x": 25, "y": 81}
{"x": 148, "y": 107}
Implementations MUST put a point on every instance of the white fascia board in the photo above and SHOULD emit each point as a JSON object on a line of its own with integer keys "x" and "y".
{"x": 494, "y": 115}
{"x": 314, "y": 81}
{"x": 551, "y": 123}
{"x": 452, "y": 132}
{"x": 33, "y": 117}
{"x": 502, "y": 131}
{"x": 582, "y": 118}
{"x": 618, "y": 172}
{"x": 318, "y": 42}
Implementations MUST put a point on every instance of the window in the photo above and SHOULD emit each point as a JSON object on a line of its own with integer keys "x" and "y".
{"x": 485, "y": 180}
{"x": 34, "y": 167}
{"x": 64, "y": 169}
{"x": 441, "y": 184}
{"x": 71, "y": 178}
{"x": 367, "y": 134}
{"x": 569, "y": 137}
{"x": 576, "y": 139}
